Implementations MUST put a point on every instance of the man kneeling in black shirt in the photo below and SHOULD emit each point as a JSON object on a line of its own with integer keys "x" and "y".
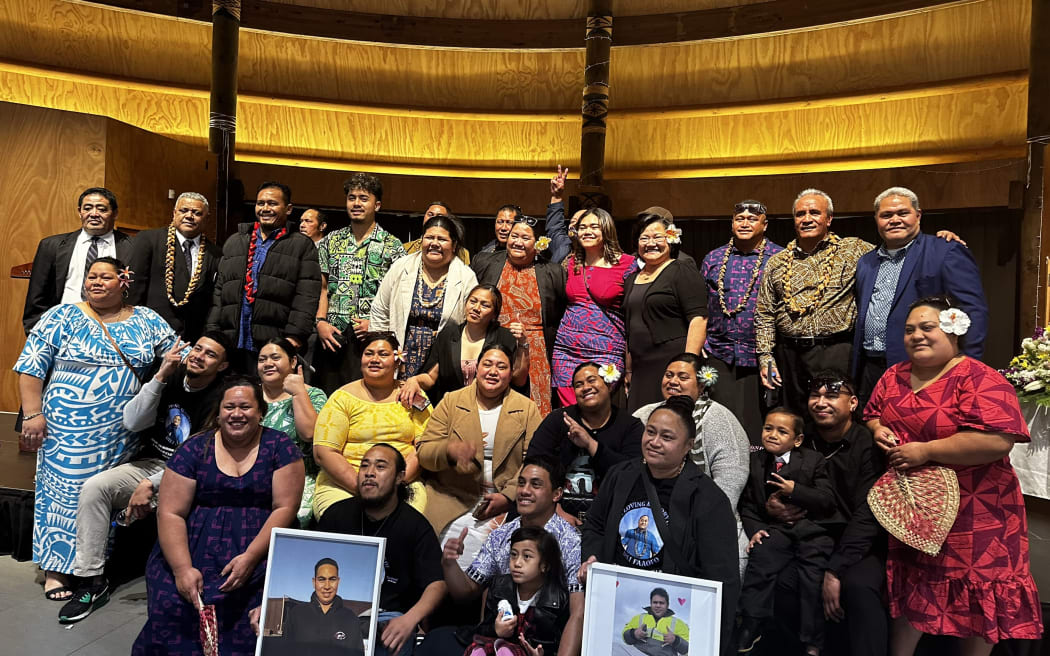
{"x": 325, "y": 624}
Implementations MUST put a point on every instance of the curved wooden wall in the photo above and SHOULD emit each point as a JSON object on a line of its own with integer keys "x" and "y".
{"x": 942, "y": 85}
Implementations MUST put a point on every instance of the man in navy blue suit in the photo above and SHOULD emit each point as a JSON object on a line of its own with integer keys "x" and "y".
{"x": 908, "y": 266}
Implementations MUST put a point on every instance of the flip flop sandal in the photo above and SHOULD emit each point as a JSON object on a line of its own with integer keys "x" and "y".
{"x": 55, "y": 594}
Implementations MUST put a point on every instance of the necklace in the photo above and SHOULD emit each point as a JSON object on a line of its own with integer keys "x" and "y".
{"x": 837, "y": 449}
{"x": 830, "y": 259}
{"x": 381, "y": 524}
{"x": 169, "y": 270}
{"x": 438, "y": 289}
{"x": 750, "y": 286}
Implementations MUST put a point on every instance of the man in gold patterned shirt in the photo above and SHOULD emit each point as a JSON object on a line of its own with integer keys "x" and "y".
{"x": 806, "y": 306}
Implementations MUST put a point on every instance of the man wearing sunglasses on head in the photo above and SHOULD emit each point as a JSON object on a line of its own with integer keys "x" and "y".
{"x": 856, "y": 572}
{"x": 555, "y": 227}
{"x": 732, "y": 274}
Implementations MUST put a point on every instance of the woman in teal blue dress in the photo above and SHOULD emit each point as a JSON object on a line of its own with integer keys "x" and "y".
{"x": 74, "y": 422}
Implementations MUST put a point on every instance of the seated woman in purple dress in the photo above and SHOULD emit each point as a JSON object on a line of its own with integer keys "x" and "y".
{"x": 221, "y": 494}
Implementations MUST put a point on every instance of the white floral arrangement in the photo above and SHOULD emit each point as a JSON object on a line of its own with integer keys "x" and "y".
{"x": 609, "y": 373}
{"x": 708, "y": 376}
{"x": 1029, "y": 372}
{"x": 674, "y": 234}
{"x": 954, "y": 321}
{"x": 543, "y": 243}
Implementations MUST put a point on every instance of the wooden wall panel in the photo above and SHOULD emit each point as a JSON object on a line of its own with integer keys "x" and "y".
{"x": 516, "y": 9}
{"x": 142, "y": 167}
{"x": 48, "y": 159}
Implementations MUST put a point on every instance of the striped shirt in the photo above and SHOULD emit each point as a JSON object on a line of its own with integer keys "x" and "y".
{"x": 890, "y": 264}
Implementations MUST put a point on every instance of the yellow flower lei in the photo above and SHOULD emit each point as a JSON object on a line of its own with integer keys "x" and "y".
{"x": 801, "y": 309}
{"x": 169, "y": 270}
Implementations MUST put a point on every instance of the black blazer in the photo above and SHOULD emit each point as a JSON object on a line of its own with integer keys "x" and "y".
{"x": 50, "y": 265}
{"x": 814, "y": 489}
{"x": 446, "y": 353}
{"x": 149, "y": 289}
{"x": 676, "y": 297}
{"x": 550, "y": 278}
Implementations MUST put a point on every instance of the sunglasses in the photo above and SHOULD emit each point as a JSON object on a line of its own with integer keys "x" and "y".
{"x": 832, "y": 385}
{"x": 754, "y": 208}
{"x": 527, "y": 220}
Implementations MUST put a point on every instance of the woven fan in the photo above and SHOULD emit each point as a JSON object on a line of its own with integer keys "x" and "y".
{"x": 917, "y": 506}
{"x": 209, "y": 631}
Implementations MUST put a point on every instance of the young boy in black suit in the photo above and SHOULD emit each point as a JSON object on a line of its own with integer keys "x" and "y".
{"x": 798, "y": 476}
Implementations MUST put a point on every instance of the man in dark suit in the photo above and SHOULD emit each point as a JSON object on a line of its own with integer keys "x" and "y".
{"x": 62, "y": 260}
{"x": 175, "y": 268}
{"x": 909, "y": 265}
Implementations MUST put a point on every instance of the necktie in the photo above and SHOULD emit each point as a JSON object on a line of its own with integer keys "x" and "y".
{"x": 92, "y": 255}
{"x": 187, "y": 249}
{"x": 780, "y": 464}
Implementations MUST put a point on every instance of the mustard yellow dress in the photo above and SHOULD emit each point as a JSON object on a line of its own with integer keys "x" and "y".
{"x": 352, "y": 426}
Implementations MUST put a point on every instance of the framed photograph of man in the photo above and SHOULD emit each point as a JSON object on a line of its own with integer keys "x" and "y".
{"x": 633, "y": 612}
{"x": 321, "y": 594}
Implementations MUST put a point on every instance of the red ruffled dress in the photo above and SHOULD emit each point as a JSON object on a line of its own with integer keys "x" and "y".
{"x": 980, "y": 584}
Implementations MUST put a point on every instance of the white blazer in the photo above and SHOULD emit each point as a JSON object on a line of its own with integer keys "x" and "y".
{"x": 393, "y": 301}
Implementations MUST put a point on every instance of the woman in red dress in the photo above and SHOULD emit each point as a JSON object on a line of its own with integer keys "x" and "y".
{"x": 941, "y": 407}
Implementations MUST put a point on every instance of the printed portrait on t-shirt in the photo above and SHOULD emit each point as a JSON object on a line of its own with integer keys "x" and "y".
{"x": 177, "y": 425}
{"x": 639, "y": 537}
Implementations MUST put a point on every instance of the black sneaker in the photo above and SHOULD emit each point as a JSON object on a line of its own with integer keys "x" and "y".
{"x": 85, "y": 601}
{"x": 748, "y": 635}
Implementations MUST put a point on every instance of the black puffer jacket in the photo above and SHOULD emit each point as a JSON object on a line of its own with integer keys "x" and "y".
{"x": 286, "y": 297}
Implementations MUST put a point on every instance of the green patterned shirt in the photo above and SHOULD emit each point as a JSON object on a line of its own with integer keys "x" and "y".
{"x": 355, "y": 270}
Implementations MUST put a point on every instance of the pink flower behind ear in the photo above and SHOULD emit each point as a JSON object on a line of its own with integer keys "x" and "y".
{"x": 125, "y": 276}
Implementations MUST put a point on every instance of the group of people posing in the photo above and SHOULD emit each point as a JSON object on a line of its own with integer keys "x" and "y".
{"x": 508, "y": 417}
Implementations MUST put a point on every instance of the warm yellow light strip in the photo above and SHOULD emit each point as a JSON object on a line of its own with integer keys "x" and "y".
{"x": 933, "y": 89}
{"x": 702, "y": 171}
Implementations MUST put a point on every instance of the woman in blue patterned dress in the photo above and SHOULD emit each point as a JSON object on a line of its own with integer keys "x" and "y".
{"x": 74, "y": 422}
{"x": 222, "y": 493}
{"x": 592, "y": 328}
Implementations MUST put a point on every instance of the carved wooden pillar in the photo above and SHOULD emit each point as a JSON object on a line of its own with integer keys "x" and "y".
{"x": 595, "y": 105}
{"x": 1035, "y": 226}
{"x": 222, "y": 121}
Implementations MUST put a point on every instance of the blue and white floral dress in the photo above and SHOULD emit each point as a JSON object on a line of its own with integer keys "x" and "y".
{"x": 83, "y": 404}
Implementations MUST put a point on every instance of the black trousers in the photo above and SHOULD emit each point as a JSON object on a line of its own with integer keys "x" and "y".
{"x": 806, "y": 545}
{"x": 740, "y": 390}
{"x": 870, "y": 367}
{"x": 333, "y": 370}
{"x": 798, "y": 364}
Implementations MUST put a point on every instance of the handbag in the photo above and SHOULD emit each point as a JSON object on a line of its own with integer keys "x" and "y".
{"x": 917, "y": 506}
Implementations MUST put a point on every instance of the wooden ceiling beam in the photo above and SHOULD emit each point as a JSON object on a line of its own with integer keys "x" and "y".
{"x": 720, "y": 23}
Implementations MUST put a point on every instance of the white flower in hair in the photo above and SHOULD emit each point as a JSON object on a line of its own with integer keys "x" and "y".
{"x": 609, "y": 373}
{"x": 674, "y": 234}
{"x": 954, "y": 321}
{"x": 708, "y": 376}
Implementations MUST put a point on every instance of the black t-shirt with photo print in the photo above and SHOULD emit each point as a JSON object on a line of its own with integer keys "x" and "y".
{"x": 641, "y": 544}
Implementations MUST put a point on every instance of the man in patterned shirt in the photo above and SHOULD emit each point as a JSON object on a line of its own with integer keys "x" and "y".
{"x": 438, "y": 208}
{"x": 908, "y": 266}
{"x": 806, "y": 306}
{"x": 353, "y": 261}
{"x": 733, "y": 273}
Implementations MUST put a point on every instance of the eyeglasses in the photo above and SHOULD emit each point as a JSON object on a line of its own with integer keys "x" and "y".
{"x": 658, "y": 239}
{"x": 754, "y": 208}
{"x": 746, "y": 219}
{"x": 832, "y": 386}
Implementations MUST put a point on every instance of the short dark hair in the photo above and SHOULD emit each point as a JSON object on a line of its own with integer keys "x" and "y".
{"x": 450, "y": 224}
{"x": 510, "y": 207}
{"x": 404, "y": 492}
{"x": 689, "y": 358}
{"x": 798, "y": 424}
{"x": 366, "y": 181}
{"x": 222, "y": 340}
{"x": 112, "y": 261}
{"x": 326, "y": 561}
{"x": 497, "y": 297}
{"x": 439, "y": 203}
{"x": 285, "y": 345}
{"x": 496, "y": 346}
{"x": 682, "y": 406}
{"x": 584, "y": 365}
{"x": 387, "y": 336}
{"x": 659, "y": 592}
{"x": 110, "y": 197}
{"x": 644, "y": 221}
{"x": 286, "y": 191}
{"x": 552, "y": 466}
{"x": 245, "y": 381}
